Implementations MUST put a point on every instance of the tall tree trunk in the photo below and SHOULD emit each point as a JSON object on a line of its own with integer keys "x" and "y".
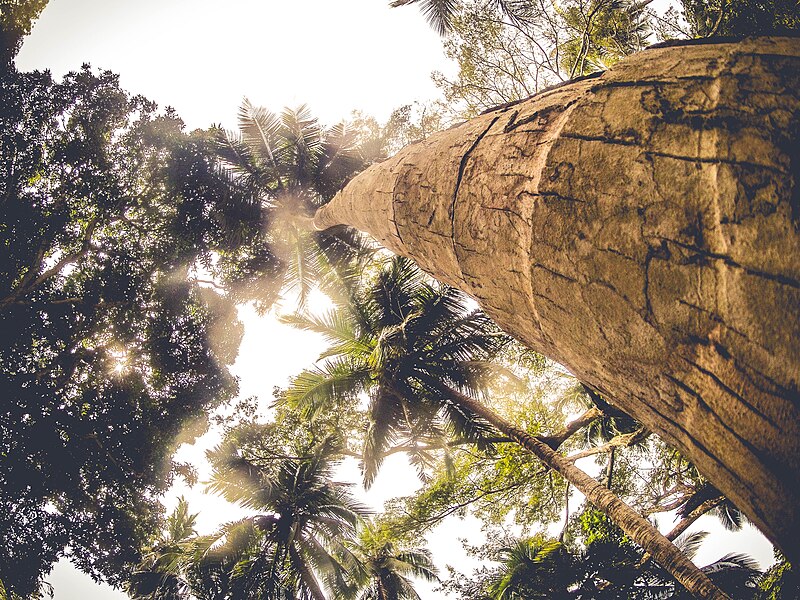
{"x": 639, "y": 529}
{"x": 641, "y": 228}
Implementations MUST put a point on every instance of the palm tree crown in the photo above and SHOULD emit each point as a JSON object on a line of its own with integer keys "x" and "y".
{"x": 411, "y": 346}
{"x": 295, "y": 546}
{"x": 385, "y": 569}
{"x": 290, "y": 166}
{"x": 160, "y": 575}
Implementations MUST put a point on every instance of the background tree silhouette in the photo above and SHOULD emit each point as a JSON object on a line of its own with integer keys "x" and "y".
{"x": 296, "y": 546}
{"x": 111, "y": 352}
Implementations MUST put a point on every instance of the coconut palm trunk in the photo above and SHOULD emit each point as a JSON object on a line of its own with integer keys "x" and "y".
{"x": 639, "y": 529}
{"x": 641, "y": 228}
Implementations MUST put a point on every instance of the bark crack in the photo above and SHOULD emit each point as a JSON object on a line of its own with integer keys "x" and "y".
{"x": 461, "y": 168}
{"x": 702, "y": 405}
{"x": 694, "y": 441}
{"x": 728, "y": 390}
{"x": 776, "y": 277}
{"x": 718, "y": 160}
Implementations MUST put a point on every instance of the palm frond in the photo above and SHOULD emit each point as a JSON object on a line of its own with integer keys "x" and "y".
{"x": 237, "y": 156}
{"x": 689, "y": 543}
{"x": 304, "y": 264}
{"x": 729, "y": 516}
{"x": 467, "y": 426}
{"x": 734, "y": 560}
{"x": 229, "y": 543}
{"x": 236, "y": 479}
{"x": 260, "y": 129}
{"x": 439, "y": 13}
{"x": 339, "y": 160}
{"x": 418, "y": 564}
{"x": 180, "y": 523}
{"x": 386, "y": 414}
{"x": 338, "y": 379}
{"x": 334, "y": 325}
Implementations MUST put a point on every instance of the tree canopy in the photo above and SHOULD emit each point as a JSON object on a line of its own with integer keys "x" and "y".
{"x": 127, "y": 244}
{"x": 111, "y": 353}
{"x": 16, "y": 21}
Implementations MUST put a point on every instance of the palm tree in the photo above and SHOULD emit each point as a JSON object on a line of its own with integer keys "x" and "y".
{"x": 290, "y": 166}
{"x": 161, "y": 574}
{"x": 521, "y": 218}
{"x": 384, "y": 570}
{"x": 422, "y": 355}
{"x": 605, "y": 567}
{"x": 295, "y": 546}
{"x": 413, "y": 347}
{"x": 533, "y": 568}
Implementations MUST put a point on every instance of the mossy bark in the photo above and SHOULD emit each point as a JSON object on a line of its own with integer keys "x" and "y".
{"x": 641, "y": 228}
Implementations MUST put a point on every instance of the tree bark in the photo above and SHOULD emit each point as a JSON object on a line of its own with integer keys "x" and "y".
{"x": 639, "y": 529}
{"x": 641, "y": 228}
{"x": 685, "y": 523}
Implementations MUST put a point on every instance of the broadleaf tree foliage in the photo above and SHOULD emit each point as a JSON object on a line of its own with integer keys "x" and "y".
{"x": 111, "y": 352}
{"x": 508, "y": 50}
{"x": 16, "y": 21}
{"x": 126, "y": 243}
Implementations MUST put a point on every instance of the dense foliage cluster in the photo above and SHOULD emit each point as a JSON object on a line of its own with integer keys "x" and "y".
{"x": 508, "y": 50}
{"x": 110, "y": 355}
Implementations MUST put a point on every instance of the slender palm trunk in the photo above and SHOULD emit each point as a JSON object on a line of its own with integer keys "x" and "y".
{"x": 639, "y": 529}
{"x": 610, "y": 468}
{"x": 382, "y": 593}
{"x": 684, "y": 524}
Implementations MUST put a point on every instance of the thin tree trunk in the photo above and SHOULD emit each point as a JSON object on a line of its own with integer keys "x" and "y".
{"x": 698, "y": 512}
{"x": 685, "y": 523}
{"x": 609, "y": 467}
{"x": 639, "y": 529}
{"x": 566, "y": 515}
{"x": 641, "y": 228}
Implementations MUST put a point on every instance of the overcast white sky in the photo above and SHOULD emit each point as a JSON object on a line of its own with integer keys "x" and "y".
{"x": 201, "y": 57}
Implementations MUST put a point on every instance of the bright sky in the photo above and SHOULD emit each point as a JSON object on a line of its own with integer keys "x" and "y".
{"x": 201, "y": 57}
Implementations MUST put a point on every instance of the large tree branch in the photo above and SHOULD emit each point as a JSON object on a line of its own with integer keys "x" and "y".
{"x": 685, "y": 523}
{"x": 587, "y": 418}
{"x": 623, "y": 440}
{"x": 31, "y": 281}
